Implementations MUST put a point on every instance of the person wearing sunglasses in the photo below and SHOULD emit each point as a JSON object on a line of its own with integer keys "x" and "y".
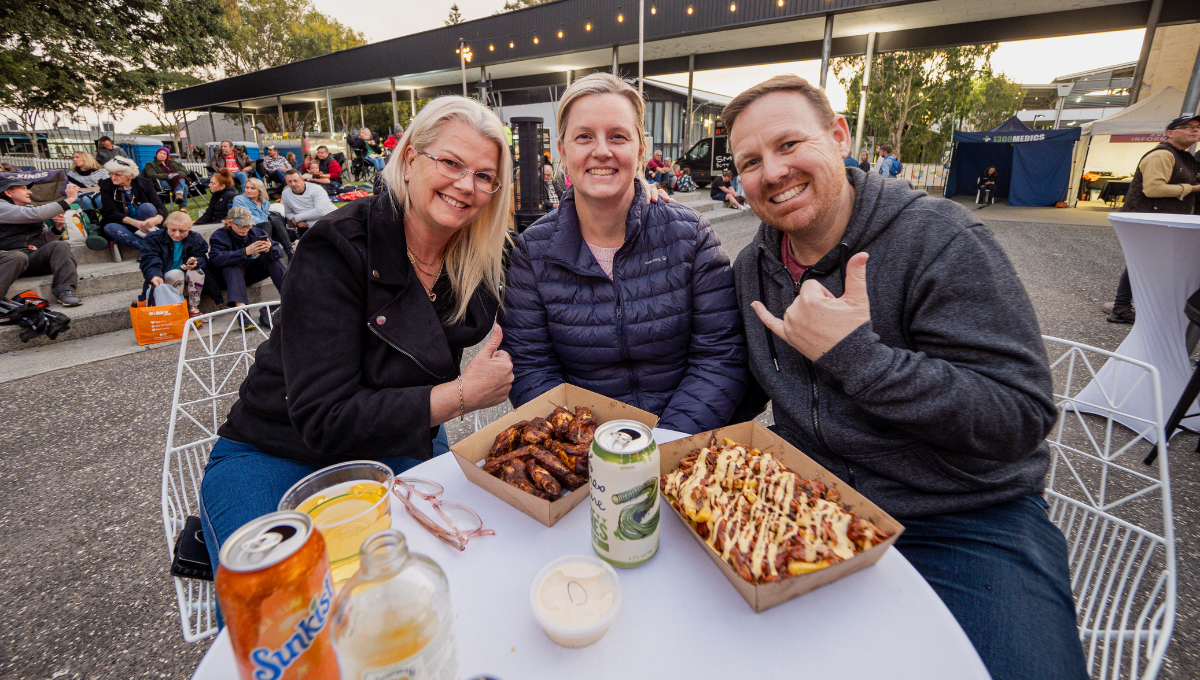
{"x": 614, "y": 293}
{"x": 383, "y": 297}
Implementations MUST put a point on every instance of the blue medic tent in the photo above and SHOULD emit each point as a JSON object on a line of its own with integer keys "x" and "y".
{"x": 1034, "y": 165}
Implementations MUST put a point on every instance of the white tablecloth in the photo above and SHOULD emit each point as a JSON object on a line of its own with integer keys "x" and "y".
{"x": 1162, "y": 253}
{"x": 680, "y": 617}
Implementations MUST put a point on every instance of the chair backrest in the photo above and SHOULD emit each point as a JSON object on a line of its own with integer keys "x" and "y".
{"x": 213, "y": 361}
{"x": 1115, "y": 513}
{"x": 485, "y": 416}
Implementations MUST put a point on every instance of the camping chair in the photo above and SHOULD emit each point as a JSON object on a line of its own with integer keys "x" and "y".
{"x": 213, "y": 361}
{"x": 1117, "y": 518}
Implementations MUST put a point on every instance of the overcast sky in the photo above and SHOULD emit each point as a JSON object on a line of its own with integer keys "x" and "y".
{"x": 1029, "y": 61}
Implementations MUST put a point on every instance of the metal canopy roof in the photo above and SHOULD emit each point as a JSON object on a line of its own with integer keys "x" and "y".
{"x": 752, "y": 32}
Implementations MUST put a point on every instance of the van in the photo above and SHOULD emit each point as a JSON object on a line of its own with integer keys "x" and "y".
{"x": 706, "y": 165}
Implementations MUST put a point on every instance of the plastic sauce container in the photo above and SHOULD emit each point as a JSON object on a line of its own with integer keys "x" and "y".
{"x": 575, "y": 599}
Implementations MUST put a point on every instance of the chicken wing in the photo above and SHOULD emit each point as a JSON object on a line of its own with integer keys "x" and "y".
{"x": 583, "y": 427}
{"x": 557, "y": 468}
{"x": 561, "y": 420}
{"x": 538, "y": 432}
{"x": 515, "y": 474}
{"x": 507, "y": 440}
{"x": 495, "y": 465}
{"x": 543, "y": 479}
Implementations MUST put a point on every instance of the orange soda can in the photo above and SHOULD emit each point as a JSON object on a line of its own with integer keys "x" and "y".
{"x": 275, "y": 591}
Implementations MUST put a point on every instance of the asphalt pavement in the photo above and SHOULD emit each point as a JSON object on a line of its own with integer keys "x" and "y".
{"x": 84, "y": 561}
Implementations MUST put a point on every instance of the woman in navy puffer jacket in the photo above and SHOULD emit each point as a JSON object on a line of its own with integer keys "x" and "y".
{"x": 617, "y": 295}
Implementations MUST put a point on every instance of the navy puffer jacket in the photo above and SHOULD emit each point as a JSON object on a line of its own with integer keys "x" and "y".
{"x": 664, "y": 334}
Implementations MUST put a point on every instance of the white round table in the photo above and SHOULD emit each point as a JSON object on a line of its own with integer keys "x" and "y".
{"x": 1162, "y": 254}
{"x": 680, "y": 617}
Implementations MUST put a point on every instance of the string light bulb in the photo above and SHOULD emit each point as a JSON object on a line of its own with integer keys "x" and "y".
{"x": 689, "y": 9}
{"x": 491, "y": 48}
{"x": 588, "y": 27}
{"x": 653, "y": 9}
{"x": 560, "y": 34}
{"x": 780, "y": 3}
{"x": 535, "y": 40}
{"x": 511, "y": 44}
{"x": 620, "y": 18}
{"x": 733, "y": 7}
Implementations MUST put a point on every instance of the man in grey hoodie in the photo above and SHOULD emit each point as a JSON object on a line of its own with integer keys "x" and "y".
{"x": 900, "y": 351}
{"x": 27, "y": 246}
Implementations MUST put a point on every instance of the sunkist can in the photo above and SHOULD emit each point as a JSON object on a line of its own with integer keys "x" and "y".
{"x": 624, "y": 490}
{"x": 275, "y": 591}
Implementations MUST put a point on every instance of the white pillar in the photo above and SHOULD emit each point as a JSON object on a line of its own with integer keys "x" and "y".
{"x": 616, "y": 66}
{"x": 691, "y": 73}
{"x": 329, "y": 105}
{"x": 862, "y": 101}
{"x": 395, "y": 112}
{"x": 279, "y": 110}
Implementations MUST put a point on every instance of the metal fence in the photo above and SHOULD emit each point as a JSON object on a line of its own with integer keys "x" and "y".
{"x": 926, "y": 176}
{"x": 65, "y": 163}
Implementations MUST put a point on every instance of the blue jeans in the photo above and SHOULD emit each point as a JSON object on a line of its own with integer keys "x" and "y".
{"x": 123, "y": 233}
{"x": 87, "y": 202}
{"x": 242, "y": 483}
{"x": 182, "y": 189}
{"x": 1002, "y": 571}
{"x": 377, "y": 162}
{"x": 239, "y": 179}
{"x": 279, "y": 175}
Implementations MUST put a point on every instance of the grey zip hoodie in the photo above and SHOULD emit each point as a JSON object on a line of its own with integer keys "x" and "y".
{"x": 942, "y": 401}
{"x": 21, "y": 226}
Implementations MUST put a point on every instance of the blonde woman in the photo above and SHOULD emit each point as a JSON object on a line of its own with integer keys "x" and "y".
{"x": 86, "y": 174}
{"x": 256, "y": 200}
{"x": 619, "y": 295}
{"x": 391, "y": 289}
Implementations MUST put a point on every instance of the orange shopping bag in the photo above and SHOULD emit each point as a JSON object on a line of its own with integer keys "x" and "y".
{"x": 159, "y": 323}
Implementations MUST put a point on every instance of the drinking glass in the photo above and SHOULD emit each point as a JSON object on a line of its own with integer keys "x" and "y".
{"x": 347, "y": 502}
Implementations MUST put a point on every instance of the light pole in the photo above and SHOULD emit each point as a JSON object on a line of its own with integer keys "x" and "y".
{"x": 1035, "y": 117}
{"x": 464, "y": 55}
{"x": 641, "y": 39}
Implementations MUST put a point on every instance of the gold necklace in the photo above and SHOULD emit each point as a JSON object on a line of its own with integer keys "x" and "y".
{"x": 411, "y": 256}
{"x": 436, "y": 276}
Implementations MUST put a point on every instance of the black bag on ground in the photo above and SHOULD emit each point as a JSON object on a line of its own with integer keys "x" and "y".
{"x": 33, "y": 314}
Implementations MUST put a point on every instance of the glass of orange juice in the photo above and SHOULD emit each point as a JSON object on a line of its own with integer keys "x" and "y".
{"x": 347, "y": 502}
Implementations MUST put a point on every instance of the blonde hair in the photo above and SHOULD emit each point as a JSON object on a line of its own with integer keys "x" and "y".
{"x": 475, "y": 253}
{"x": 257, "y": 184}
{"x": 123, "y": 165}
{"x": 601, "y": 83}
{"x": 89, "y": 161}
{"x": 606, "y": 83}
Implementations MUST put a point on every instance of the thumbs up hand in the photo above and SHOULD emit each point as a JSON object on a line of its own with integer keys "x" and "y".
{"x": 489, "y": 376}
{"x": 816, "y": 320}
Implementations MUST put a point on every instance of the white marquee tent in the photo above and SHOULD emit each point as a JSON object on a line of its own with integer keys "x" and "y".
{"x": 1116, "y": 143}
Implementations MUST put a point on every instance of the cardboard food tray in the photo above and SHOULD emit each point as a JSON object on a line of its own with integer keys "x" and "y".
{"x": 471, "y": 451}
{"x": 762, "y": 597}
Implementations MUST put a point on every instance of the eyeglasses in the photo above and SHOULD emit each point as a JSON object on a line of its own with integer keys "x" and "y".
{"x": 452, "y": 169}
{"x": 1189, "y": 128}
{"x": 452, "y": 522}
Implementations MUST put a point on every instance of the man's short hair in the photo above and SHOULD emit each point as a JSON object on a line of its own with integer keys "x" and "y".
{"x": 177, "y": 216}
{"x": 291, "y": 171}
{"x": 885, "y": 148}
{"x": 727, "y": 173}
{"x": 785, "y": 83}
{"x": 322, "y": 147}
{"x": 226, "y": 141}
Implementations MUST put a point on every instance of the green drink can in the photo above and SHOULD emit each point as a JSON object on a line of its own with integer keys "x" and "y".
{"x": 624, "y": 493}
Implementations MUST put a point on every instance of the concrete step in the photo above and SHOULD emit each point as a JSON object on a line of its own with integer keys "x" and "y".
{"x": 95, "y": 278}
{"x": 85, "y": 255}
{"x": 109, "y": 312}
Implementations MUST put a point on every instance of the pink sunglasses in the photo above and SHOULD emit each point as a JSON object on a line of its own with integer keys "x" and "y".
{"x": 454, "y": 523}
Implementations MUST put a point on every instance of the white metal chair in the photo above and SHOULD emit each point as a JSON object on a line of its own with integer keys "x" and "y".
{"x": 213, "y": 361}
{"x": 485, "y": 416}
{"x": 1116, "y": 515}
